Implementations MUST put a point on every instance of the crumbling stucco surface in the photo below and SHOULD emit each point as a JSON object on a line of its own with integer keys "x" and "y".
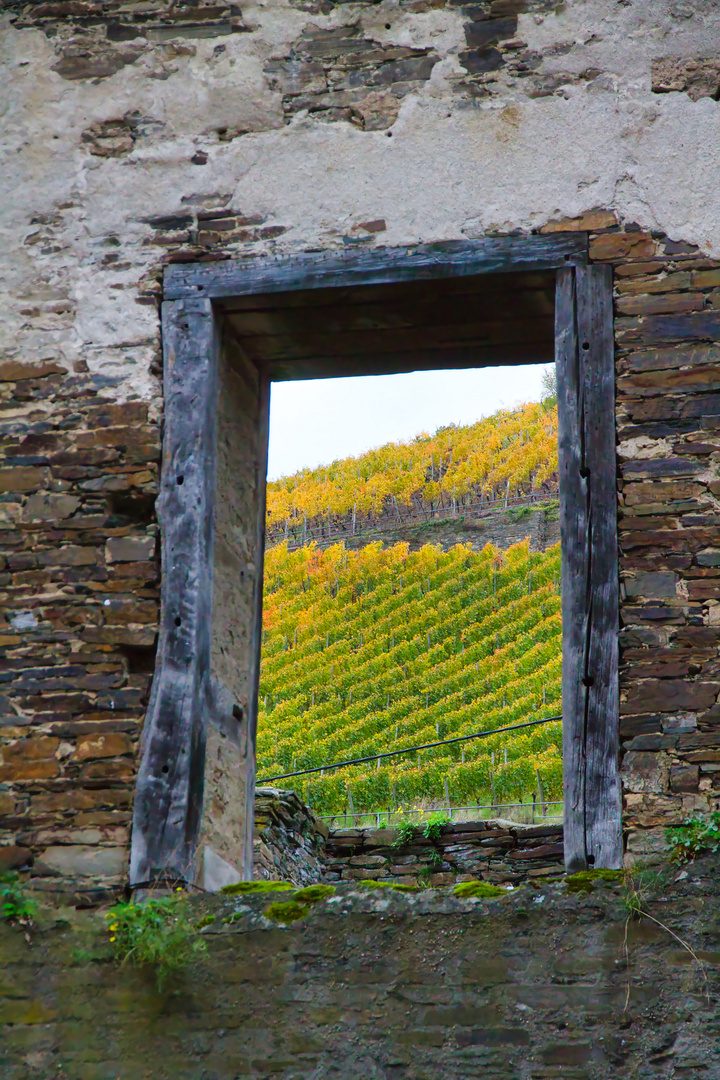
{"x": 114, "y": 117}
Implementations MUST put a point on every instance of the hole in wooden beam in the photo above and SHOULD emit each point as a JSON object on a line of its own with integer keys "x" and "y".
{"x": 178, "y": 621}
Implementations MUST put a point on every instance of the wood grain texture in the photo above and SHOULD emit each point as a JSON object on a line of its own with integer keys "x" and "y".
{"x": 372, "y": 267}
{"x": 168, "y": 797}
{"x": 588, "y": 523}
{"x": 263, "y": 432}
{"x": 393, "y": 363}
{"x": 408, "y": 294}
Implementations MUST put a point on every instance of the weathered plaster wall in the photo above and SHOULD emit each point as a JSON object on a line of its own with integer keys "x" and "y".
{"x": 138, "y": 135}
{"x": 539, "y": 985}
{"x": 129, "y": 131}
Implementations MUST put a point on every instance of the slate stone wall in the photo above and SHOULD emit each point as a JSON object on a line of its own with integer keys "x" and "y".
{"x": 542, "y": 984}
{"x": 82, "y": 580}
{"x": 668, "y": 420}
{"x": 289, "y": 841}
{"x": 80, "y": 591}
{"x": 501, "y": 852}
{"x": 142, "y": 135}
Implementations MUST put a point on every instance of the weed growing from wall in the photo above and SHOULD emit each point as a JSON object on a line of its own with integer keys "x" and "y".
{"x": 15, "y": 907}
{"x": 155, "y": 934}
{"x": 696, "y": 835}
{"x": 433, "y": 826}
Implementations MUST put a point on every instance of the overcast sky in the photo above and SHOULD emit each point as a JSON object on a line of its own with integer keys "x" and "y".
{"x": 315, "y": 422}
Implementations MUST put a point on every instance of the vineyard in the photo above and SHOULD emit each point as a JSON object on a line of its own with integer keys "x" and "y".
{"x": 378, "y": 649}
{"x": 509, "y": 454}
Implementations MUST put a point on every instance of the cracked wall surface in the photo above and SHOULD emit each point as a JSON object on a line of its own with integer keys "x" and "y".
{"x": 135, "y": 135}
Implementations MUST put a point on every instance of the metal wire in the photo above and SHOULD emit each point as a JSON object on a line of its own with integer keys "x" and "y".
{"x": 407, "y": 750}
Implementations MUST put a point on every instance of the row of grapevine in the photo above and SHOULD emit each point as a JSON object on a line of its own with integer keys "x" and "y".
{"x": 511, "y": 450}
{"x": 381, "y": 648}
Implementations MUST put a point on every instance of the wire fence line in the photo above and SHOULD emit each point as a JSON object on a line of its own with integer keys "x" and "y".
{"x": 406, "y": 750}
{"x": 322, "y": 534}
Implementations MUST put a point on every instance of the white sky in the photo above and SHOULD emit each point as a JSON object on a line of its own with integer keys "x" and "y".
{"x": 320, "y": 420}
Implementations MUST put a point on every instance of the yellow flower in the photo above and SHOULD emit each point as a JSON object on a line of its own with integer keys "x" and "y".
{"x": 179, "y": 888}
{"x": 112, "y": 938}
{"x": 113, "y": 926}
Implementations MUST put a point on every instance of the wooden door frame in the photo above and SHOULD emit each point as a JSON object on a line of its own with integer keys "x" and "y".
{"x": 168, "y": 798}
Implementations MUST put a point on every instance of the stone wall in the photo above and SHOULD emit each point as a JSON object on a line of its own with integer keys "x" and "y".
{"x": 496, "y": 851}
{"x": 541, "y": 984}
{"x": 79, "y": 592}
{"x": 138, "y": 136}
{"x": 289, "y": 841}
{"x": 668, "y": 421}
{"x": 292, "y": 844}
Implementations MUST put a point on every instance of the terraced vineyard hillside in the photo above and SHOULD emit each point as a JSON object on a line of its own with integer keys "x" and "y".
{"x": 504, "y": 456}
{"x": 381, "y": 648}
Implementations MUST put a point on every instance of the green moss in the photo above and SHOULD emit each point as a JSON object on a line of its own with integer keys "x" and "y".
{"x": 207, "y": 920}
{"x": 286, "y": 911}
{"x": 478, "y": 888}
{"x": 395, "y": 885}
{"x": 243, "y": 888}
{"x": 312, "y": 893}
{"x": 583, "y": 881}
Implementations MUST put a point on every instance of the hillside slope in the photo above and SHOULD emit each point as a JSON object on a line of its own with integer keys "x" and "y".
{"x": 506, "y": 455}
{"x": 381, "y": 648}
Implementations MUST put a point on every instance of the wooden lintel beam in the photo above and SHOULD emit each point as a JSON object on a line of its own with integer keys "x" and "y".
{"x": 322, "y": 270}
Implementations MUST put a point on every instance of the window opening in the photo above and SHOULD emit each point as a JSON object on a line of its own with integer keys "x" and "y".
{"x": 231, "y": 329}
{"x": 412, "y": 603}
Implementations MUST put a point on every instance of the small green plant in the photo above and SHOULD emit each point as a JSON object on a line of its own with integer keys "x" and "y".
{"x": 245, "y": 888}
{"x": 154, "y": 934}
{"x": 697, "y": 834}
{"x": 405, "y": 834}
{"x": 436, "y": 858}
{"x": 312, "y": 893}
{"x": 433, "y": 826}
{"x": 517, "y": 513}
{"x": 478, "y": 888}
{"x": 286, "y": 911}
{"x": 15, "y": 907}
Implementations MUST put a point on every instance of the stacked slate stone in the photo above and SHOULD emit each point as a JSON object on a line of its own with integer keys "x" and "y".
{"x": 79, "y": 589}
{"x": 289, "y": 841}
{"x": 668, "y": 430}
{"x": 496, "y": 851}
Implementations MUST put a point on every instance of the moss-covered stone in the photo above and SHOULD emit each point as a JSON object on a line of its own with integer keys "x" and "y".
{"x": 478, "y": 888}
{"x": 286, "y": 911}
{"x": 312, "y": 893}
{"x": 584, "y": 880}
{"x": 245, "y": 888}
{"x": 396, "y": 886}
{"x": 207, "y": 920}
